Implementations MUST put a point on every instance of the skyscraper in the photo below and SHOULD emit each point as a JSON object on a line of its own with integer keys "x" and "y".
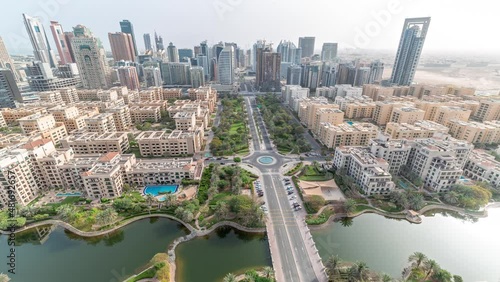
{"x": 329, "y": 51}
{"x": 91, "y": 59}
{"x": 376, "y": 72}
{"x": 204, "y": 48}
{"x": 128, "y": 77}
{"x": 159, "y": 43}
{"x": 226, "y": 66}
{"x": 329, "y": 74}
{"x": 294, "y": 75}
{"x": 289, "y": 52}
{"x": 185, "y": 55}
{"x": 122, "y": 46}
{"x": 147, "y": 42}
{"x": 152, "y": 76}
{"x": 307, "y": 46}
{"x": 362, "y": 76}
{"x": 176, "y": 74}
{"x": 173, "y": 54}
{"x": 204, "y": 63}
{"x": 62, "y": 44}
{"x": 8, "y": 89}
{"x": 128, "y": 28}
{"x": 68, "y": 35}
{"x": 409, "y": 50}
{"x": 268, "y": 70}
{"x": 6, "y": 61}
{"x": 39, "y": 41}
{"x": 197, "y": 77}
{"x": 311, "y": 77}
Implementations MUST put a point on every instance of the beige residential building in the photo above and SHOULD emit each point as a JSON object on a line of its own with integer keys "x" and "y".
{"x": 344, "y": 101}
{"x": 176, "y": 143}
{"x": 11, "y": 116}
{"x": 439, "y": 162}
{"x": 420, "y": 129}
{"x": 309, "y": 106}
{"x": 7, "y": 140}
{"x": 171, "y": 171}
{"x": 358, "y": 110}
{"x": 347, "y": 134}
{"x": 2, "y": 122}
{"x": 150, "y": 95}
{"x": 37, "y": 122}
{"x": 121, "y": 117}
{"x": 101, "y": 123}
{"x": 483, "y": 167}
{"x": 171, "y": 93}
{"x": 206, "y": 94}
{"x": 430, "y": 108}
{"x": 383, "y": 110}
{"x": 70, "y": 116}
{"x": 395, "y": 152}
{"x": 56, "y": 134}
{"x": 488, "y": 110}
{"x": 17, "y": 163}
{"x": 369, "y": 172}
{"x": 51, "y": 97}
{"x": 85, "y": 143}
{"x": 145, "y": 113}
{"x": 157, "y": 103}
{"x": 447, "y": 113}
{"x": 407, "y": 115}
{"x": 475, "y": 132}
{"x": 332, "y": 116}
{"x": 69, "y": 95}
{"x": 185, "y": 120}
{"x": 106, "y": 178}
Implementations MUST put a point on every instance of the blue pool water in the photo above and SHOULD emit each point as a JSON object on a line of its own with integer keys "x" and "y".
{"x": 349, "y": 122}
{"x": 155, "y": 190}
{"x": 76, "y": 194}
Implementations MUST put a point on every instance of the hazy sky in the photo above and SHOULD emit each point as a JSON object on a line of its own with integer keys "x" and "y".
{"x": 456, "y": 26}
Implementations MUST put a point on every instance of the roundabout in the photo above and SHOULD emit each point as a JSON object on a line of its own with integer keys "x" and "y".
{"x": 266, "y": 160}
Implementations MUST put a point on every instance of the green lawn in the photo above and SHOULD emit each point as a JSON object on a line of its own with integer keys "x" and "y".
{"x": 360, "y": 208}
{"x": 310, "y": 173}
{"x": 235, "y": 126}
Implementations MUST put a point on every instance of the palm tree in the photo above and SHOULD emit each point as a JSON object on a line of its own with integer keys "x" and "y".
{"x": 451, "y": 198}
{"x": 150, "y": 199}
{"x": 268, "y": 272}
{"x": 350, "y": 206}
{"x": 417, "y": 259}
{"x": 361, "y": 270}
{"x": 251, "y": 276}
{"x": 432, "y": 267}
{"x": 332, "y": 265}
{"x": 4, "y": 278}
{"x": 386, "y": 278}
{"x": 229, "y": 278}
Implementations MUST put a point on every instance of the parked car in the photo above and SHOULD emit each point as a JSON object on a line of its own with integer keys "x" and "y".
{"x": 290, "y": 192}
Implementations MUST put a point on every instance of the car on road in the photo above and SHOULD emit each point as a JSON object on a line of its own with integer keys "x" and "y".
{"x": 290, "y": 192}
{"x": 293, "y": 197}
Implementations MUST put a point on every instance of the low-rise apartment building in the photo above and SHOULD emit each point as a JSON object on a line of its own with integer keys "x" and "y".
{"x": 176, "y": 143}
{"x": 346, "y": 134}
{"x": 85, "y": 143}
{"x": 141, "y": 114}
{"x": 369, "y": 172}
{"x": 483, "y": 167}
{"x": 420, "y": 129}
{"x": 475, "y": 132}
{"x": 101, "y": 123}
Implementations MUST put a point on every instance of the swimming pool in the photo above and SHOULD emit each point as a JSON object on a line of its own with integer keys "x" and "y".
{"x": 76, "y": 194}
{"x": 350, "y": 122}
{"x": 156, "y": 190}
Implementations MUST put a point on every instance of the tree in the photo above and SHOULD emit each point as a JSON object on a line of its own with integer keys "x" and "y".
{"x": 442, "y": 275}
{"x": 361, "y": 270}
{"x": 237, "y": 159}
{"x": 229, "y": 278}
{"x": 417, "y": 259}
{"x": 124, "y": 204}
{"x": 221, "y": 210}
{"x": 150, "y": 199}
{"x": 67, "y": 212}
{"x": 350, "y": 206}
{"x": 106, "y": 216}
{"x": 332, "y": 265}
{"x": 431, "y": 266}
{"x": 4, "y": 278}
{"x": 268, "y": 272}
{"x": 456, "y": 278}
{"x": 386, "y": 278}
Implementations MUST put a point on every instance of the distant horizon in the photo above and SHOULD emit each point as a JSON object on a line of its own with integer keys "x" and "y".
{"x": 376, "y": 24}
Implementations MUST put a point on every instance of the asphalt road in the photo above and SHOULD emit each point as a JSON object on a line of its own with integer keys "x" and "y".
{"x": 295, "y": 261}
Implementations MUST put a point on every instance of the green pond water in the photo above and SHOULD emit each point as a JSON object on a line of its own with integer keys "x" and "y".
{"x": 62, "y": 256}
{"x": 462, "y": 246}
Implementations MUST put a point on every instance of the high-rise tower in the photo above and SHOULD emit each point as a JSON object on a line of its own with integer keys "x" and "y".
{"x": 409, "y": 50}
{"x": 39, "y": 41}
{"x": 62, "y": 44}
{"x": 128, "y": 27}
